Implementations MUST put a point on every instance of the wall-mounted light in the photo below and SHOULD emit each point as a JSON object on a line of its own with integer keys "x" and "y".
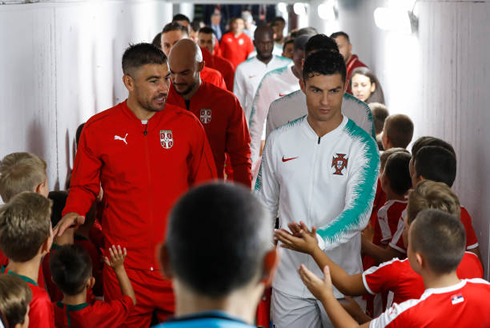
{"x": 300, "y": 8}
{"x": 394, "y": 19}
{"x": 328, "y": 10}
{"x": 282, "y": 7}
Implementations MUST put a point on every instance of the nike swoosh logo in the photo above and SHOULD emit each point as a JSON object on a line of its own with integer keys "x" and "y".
{"x": 288, "y": 159}
{"x": 281, "y": 95}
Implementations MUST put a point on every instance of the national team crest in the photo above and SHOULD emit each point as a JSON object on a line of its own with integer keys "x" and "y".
{"x": 339, "y": 163}
{"x": 205, "y": 116}
{"x": 166, "y": 139}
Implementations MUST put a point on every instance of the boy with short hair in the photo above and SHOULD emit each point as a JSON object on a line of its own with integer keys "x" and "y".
{"x": 25, "y": 237}
{"x": 15, "y": 297}
{"x": 397, "y": 132}
{"x": 71, "y": 269}
{"x": 436, "y": 246}
{"x": 395, "y": 275}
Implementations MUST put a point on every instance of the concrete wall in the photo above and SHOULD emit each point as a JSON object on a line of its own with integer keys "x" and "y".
{"x": 439, "y": 77}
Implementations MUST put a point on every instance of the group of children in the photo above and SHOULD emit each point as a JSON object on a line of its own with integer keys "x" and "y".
{"x": 48, "y": 281}
{"x": 440, "y": 282}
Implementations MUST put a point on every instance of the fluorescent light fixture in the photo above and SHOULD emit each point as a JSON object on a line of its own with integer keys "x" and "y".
{"x": 326, "y": 11}
{"x": 399, "y": 20}
{"x": 282, "y": 7}
{"x": 299, "y": 9}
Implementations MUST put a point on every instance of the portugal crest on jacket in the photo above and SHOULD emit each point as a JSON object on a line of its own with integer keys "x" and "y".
{"x": 166, "y": 139}
{"x": 339, "y": 163}
{"x": 205, "y": 115}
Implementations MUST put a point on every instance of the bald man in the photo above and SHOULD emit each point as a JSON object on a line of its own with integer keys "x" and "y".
{"x": 218, "y": 110}
{"x": 249, "y": 73}
{"x": 174, "y": 32}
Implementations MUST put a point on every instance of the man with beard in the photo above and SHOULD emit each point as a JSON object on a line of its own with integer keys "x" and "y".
{"x": 218, "y": 110}
{"x": 145, "y": 154}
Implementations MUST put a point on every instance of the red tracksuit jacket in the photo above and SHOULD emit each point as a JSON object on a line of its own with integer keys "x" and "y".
{"x": 222, "y": 117}
{"x": 143, "y": 170}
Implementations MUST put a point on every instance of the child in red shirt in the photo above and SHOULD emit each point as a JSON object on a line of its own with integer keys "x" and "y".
{"x": 15, "y": 296}
{"x": 71, "y": 268}
{"x": 25, "y": 237}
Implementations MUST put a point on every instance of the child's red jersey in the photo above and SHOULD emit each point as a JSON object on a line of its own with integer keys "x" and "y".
{"x": 398, "y": 277}
{"x": 462, "y": 305}
{"x": 99, "y": 314}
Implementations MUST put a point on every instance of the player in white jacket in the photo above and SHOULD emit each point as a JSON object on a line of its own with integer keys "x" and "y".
{"x": 320, "y": 169}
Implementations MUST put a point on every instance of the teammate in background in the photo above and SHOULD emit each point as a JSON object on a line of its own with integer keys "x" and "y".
{"x": 182, "y": 20}
{"x": 157, "y": 40}
{"x": 249, "y": 73}
{"x": 173, "y": 33}
{"x": 344, "y": 165}
{"x": 380, "y": 113}
{"x": 195, "y": 25}
{"x": 71, "y": 269}
{"x": 26, "y": 247}
{"x": 436, "y": 248}
{"x": 395, "y": 275}
{"x": 218, "y": 284}
{"x": 275, "y": 84}
{"x": 236, "y": 45}
{"x": 397, "y": 132}
{"x": 288, "y": 49}
{"x": 15, "y": 296}
{"x": 293, "y": 105}
{"x": 145, "y": 154}
{"x": 250, "y": 26}
{"x": 218, "y": 110}
{"x": 278, "y": 24}
{"x": 207, "y": 41}
{"x": 345, "y": 48}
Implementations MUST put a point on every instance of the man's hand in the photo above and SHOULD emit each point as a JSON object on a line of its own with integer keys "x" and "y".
{"x": 301, "y": 240}
{"x": 321, "y": 289}
{"x": 117, "y": 257}
{"x": 69, "y": 220}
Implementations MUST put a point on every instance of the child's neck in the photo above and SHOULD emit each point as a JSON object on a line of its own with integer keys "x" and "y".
{"x": 84, "y": 231}
{"x": 29, "y": 269}
{"x": 76, "y": 299}
{"x": 391, "y": 195}
{"x": 432, "y": 280}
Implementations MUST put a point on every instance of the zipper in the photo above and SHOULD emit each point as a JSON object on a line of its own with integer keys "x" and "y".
{"x": 150, "y": 196}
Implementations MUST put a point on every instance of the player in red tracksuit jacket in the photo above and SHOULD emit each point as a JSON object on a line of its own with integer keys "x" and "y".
{"x": 218, "y": 110}
{"x": 145, "y": 155}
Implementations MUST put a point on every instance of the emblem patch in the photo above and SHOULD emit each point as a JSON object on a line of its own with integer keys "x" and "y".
{"x": 339, "y": 163}
{"x": 166, "y": 139}
{"x": 205, "y": 116}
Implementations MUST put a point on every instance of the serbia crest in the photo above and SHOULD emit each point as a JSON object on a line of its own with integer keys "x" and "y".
{"x": 205, "y": 115}
{"x": 166, "y": 139}
{"x": 339, "y": 163}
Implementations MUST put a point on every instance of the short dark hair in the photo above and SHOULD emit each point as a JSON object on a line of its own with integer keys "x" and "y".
{"x": 195, "y": 24}
{"x": 25, "y": 225}
{"x": 398, "y": 173}
{"x": 278, "y": 19}
{"x": 300, "y": 42}
{"x": 290, "y": 41}
{"x": 206, "y": 30}
{"x": 174, "y": 26}
{"x": 78, "y": 134}
{"x": 305, "y": 31}
{"x": 180, "y": 17}
{"x": 217, "y": 237}
{"x": 385, "y": 154}
{"x": 436, "y": 164}
{"x": 440, "y": 237}
{"x": 431, "y": 141}
{"x": 157, "y": 40}
{"x": 263, "y": 30}
{"x": 399, "y": 129}
{"x": 70, "y": 267}
{"x": 320, "y": 42}
{"x": 340, "y": 33}
{"x": 324, "y": 62}
{"x": 59, "y": 201}
{"x": 380, "y": 113}
{"x": 15, "y": 296}
{"x": 141, "y": 54}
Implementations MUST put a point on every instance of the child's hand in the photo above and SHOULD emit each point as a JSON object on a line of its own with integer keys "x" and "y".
{"x": 321, "y": 289}
{"x": 117, "y": 257}
{"x": 301, "y": 240}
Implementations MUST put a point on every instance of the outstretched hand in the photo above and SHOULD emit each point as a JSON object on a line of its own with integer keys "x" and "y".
{"x": 321, "y": 289}
{"x": 117, "y": 256}
{"x": 69, "y": 220}
{"x": 300, "y": 239}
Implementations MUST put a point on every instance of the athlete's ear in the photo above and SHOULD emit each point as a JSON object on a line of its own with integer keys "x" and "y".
{"x": 271, "y": 261}
{"x": 302, "y": 85}
{"x": 165, "y": 261}
{"x": 200, "y": 66}
{"x": 128, "y": 82}
{"x": 346, "y": 85}
{"x": 90, "y": 283}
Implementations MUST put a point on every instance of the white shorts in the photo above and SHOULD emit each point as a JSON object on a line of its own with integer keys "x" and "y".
{"x": 289, "y": 311}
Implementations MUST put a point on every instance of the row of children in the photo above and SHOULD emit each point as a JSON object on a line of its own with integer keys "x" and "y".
{"x": 48, "y": 281}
